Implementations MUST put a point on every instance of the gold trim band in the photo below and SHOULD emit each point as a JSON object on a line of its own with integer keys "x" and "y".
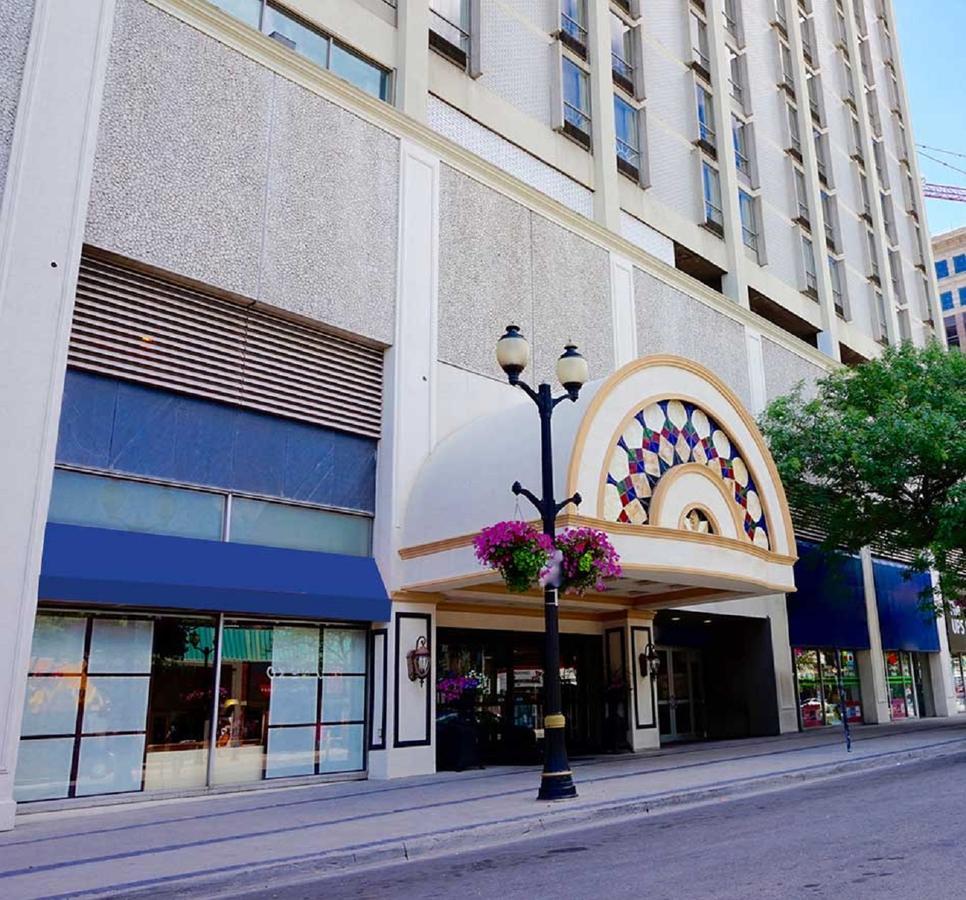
{"x": 556, "y": 720}
{"x": 556, "y": 774}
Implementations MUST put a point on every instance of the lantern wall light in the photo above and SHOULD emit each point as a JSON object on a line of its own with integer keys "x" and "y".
{"x": 418, "y": 661}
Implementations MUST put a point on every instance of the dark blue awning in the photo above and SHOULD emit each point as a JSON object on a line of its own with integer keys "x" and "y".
{"x": 99, "y": 565}
{"x": 907, "y": 619}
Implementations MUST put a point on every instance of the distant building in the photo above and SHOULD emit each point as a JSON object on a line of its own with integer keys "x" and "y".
{"x": 949, "y": 250}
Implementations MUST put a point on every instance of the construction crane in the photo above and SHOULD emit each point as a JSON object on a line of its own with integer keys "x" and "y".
{"x": 944, "y": 192}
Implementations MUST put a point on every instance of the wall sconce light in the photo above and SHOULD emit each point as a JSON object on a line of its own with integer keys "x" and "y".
{"x": 649, "y": 661}
{"x": 418, "y": 661}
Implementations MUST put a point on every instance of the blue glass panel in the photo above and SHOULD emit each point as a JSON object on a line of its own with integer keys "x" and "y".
{"x": 246, "y": 10}
{"x": 942, "y": 268}
{"x": 299, "y": 528}
{"x": 962, "y": 296}
{"x": 362, "y": 73}
{"x": 946, "y": 298}
{"x": 959, "y": 262}
{"x": 296, "y": 36}
{"x": 87, "y": 420}
{"x": 94, "y": 500}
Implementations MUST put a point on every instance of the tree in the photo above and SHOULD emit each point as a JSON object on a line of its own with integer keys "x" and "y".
{"x": 878, "y": 456}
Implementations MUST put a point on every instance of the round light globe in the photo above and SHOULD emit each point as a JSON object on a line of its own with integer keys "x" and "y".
{"x": 513, "y": 353}
{"x": 572, "y": 371}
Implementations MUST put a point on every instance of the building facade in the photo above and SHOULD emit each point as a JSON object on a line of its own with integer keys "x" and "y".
{"x": 254, "y": 259}
{"x": 949, "y": 251}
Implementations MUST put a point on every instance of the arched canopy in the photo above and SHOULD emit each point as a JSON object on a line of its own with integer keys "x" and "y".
{"x": 667, "y": 461}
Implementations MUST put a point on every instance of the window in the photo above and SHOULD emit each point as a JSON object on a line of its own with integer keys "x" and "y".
{"x": 827, "y": 682}
{"x": 888, "y": 219}
{"x": 701, "y": 59}
{"x": 880, "y": 164}
{"x": 905, "y": 326}
{"x": 749, "y": 221}
{"x": 815, "y": 98}
{"x": 729, "y": 10}
{"x": 573, "y": 25}
{"x": 895, "y": 273}
{"x": 628, "y": 138}
{"x": 787, "y": 69}
{"x": 962, "y": 296}
{"x": 959, "y": 262}
{"x": 576, "y": 102}
{"x": 856, "y": 134}
{"x": 866, "y": 199}
{"x": 801, "y": 197}
{"x": 873, "y": 255}
{"x": 879, "y": 317}
{"x": 808, "y": 258}
{"x": 736, "y": 78}
{"x": 705, "y": 106}
{"x": 838, "y": 290}
{"x": 829, "y": 213}
{"x": 821, "y": 157}
{"x": 622, "y": 53}
{"x": 901, "y": 685}
{"x": 942, "y": 268}
{"x": 781, "y": 17}
{"x": 711, "y": 186}
{"x": 311, "y": 43}
{"x": 952, "y": 334}
{"x": 449, "y": 29}
{"x": 946, "y": 298}
{"x": 808, "y": 40}
{"x": 739, "y": 132}
{"x": 794, "y": 133}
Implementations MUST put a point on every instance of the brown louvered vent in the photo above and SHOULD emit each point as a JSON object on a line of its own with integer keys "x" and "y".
{"x": 144, "y": 328}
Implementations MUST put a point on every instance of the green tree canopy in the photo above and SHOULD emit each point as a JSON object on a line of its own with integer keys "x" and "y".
{"x": 878, "y": 457}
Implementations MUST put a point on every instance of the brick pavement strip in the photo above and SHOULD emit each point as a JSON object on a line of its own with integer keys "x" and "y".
{"x": 283, "y": 835}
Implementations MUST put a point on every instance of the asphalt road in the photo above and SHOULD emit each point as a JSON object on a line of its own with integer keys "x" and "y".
{"x": 894, "y": 833}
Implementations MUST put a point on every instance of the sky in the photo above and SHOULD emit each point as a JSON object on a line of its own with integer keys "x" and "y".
{"x": 931, "y": 41}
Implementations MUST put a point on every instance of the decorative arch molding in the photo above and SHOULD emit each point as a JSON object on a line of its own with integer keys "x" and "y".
{"x": 661, "y": 438}
{"x": 652, "y": 384}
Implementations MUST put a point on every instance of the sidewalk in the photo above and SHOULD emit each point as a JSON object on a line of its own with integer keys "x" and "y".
{"x": 226, "y": 841}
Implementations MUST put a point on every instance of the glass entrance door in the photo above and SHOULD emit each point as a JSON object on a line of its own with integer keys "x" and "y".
{"x": 680, "y": 699}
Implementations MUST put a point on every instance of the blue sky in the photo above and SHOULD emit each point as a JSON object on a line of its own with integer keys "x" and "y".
{"x": 931, "y": 39}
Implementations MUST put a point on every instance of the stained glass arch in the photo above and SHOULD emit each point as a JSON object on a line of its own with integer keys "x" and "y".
{"x": 669, "y": 433}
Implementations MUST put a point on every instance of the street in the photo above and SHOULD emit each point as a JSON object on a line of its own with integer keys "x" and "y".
{"x": 893, "y": 833}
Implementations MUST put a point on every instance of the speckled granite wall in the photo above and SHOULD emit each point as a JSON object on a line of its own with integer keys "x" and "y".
{"x": 669, "y": 321}
{"x": 16, "y": 17}
{"x": 211, "y": 166}
{"x": 784, "y": 370}
{"x": 499, "y": 263}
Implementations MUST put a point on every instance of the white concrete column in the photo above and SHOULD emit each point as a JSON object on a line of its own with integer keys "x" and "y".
{"x": 734, "y": 283}
{"x": 409, "y": 425}
{"x": 412, "y": 75}
{"x": 410, "y": 735}
{"x": 875, "y": 694}
{"x": 603, "y": 129}
{"x": 941, "y": 668}
{"x": 622, "y": 310}
{"x": 782, "y": 661}
{"x": 42, "y": 218}
{"x": 643, "y": 729}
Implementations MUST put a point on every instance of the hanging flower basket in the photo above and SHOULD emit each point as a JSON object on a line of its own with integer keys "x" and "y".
{"x": 581, "y": 559}
{"x": 588, "y": 560}
{"x": 517, "y": 550}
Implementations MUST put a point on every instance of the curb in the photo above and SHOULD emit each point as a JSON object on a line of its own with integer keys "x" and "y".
{"x": 235, "y": 880}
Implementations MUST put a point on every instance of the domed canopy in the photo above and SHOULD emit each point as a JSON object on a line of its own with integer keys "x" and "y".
{"x": 668, "y": 463}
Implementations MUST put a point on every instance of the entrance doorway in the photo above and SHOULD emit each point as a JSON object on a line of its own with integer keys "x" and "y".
{"x": 680, "y": 694}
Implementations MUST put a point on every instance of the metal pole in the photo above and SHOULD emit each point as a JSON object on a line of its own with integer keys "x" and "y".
{"x": 215, "y": 702}
{"x": 557, "y": 780}
{"x": 843, "y": 706}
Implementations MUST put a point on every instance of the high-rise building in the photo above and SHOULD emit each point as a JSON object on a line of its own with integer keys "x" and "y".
{"x": 949, "y": 252}
{"x": 254, "y": 260}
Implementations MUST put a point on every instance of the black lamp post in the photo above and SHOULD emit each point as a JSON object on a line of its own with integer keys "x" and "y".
{"x": 513, "y": 354}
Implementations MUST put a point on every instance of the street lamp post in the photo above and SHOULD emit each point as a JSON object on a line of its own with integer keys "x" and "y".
{"x": 513, "y": 354}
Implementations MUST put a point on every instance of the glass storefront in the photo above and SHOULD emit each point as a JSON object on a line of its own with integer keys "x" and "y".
{"x": 959, "y": 681}
{"x": 901, "y": 683}
{"x": 826, "y": 680}
{"x": 489, "y": 695}
{"x": 121, "y": 703}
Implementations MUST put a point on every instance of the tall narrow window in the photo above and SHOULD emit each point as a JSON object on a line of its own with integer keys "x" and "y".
{"x": 749, "y": 221}
{"x": 808, "y": 259}
{"x": 801, "y": 198}
{"x": 829, "y": 213}
{"x": 838, "y": 292}
{"x": 699, "y": 46}
{"x": 739, "y": 131}
{"x": 576, "y": 102}
{"x": 729, "y": 11}
{"x": 873, "y": 256}
{"x": 711, "y": 185}
{"x": 705, "y": 107}
{"x": 794, "y": 132}
{"x": 787, "y": 69}
{"x": 736, "y": 78}
{"x": 573, "y": 25}
{"x": 879, "y": 317}
{"x": 628, "y": 138}
{"x": 622, "y": 53}
{"x": 449, "y": 29}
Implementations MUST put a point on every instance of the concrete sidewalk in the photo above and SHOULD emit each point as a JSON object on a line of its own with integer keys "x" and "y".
{"x": 214, "y": 844}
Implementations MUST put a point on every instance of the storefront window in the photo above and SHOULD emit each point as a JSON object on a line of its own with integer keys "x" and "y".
{"x": 124, "y": 703}
{"x": 959, "y": 684}
{"x": 826, "y": 679}
{"x": 901, "y": 684}
{"x": 292, "y": 702}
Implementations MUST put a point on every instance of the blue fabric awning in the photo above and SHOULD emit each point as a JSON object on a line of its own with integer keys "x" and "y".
{"x": 907, "y": 620}
{"x": 99, "y": 565}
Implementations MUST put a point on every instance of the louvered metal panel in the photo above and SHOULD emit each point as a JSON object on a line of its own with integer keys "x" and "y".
{"x": 143, "y": 328}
